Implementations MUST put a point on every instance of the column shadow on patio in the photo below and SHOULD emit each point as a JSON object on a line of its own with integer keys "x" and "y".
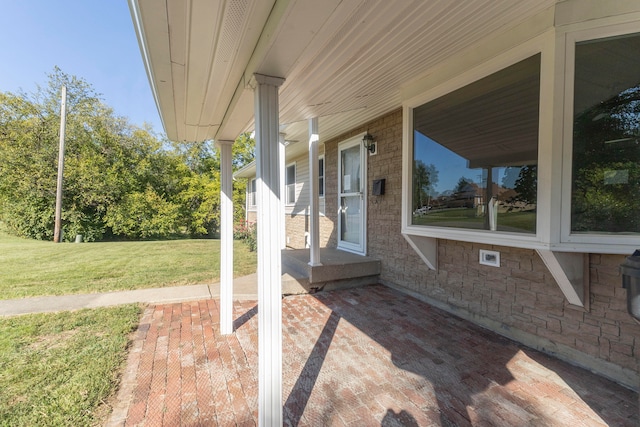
{"x": 467, "y": 372}
{"x": 297, "y": 401}
{"x": 240, "y": 321}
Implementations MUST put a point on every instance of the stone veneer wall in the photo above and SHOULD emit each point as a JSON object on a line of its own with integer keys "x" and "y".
{"x": 520, "y": 299}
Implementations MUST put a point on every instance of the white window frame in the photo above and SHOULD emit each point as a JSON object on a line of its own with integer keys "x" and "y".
{"x": 555, "y": 143}
{"x": 598, "y": 242}
{"x": 542, "y": 45}
{"x": 295, "y": 181}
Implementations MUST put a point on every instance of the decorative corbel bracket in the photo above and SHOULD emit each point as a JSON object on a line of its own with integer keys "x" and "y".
{"x": 426, "y": 248}
{"x": 571, "y": 271}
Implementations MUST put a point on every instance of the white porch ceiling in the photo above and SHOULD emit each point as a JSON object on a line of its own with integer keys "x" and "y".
{"x": 344, "y": 61}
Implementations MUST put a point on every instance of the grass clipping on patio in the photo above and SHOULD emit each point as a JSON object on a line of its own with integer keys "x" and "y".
{"x": 59, "y": 369}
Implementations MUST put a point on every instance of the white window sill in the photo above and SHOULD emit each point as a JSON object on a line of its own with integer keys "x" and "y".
{"x": 623, "y": 245}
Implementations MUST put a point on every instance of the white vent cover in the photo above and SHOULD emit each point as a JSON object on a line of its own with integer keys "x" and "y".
{"x": 491, "y": 258}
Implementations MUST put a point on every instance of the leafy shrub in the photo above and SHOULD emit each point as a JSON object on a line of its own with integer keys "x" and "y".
{"x": 247, "y": 231}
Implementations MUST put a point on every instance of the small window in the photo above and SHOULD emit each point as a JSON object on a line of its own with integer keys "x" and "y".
{"x": 475, "y": 154}
{"x": 252, "y": 193}
{"x": 321, "y": 176}
{"x": 290, "y": 185}
{"x": 606, "y": 136}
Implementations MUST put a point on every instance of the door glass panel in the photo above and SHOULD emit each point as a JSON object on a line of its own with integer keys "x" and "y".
{"x": 350, "y": 170}
{"x": 350, "y": 218}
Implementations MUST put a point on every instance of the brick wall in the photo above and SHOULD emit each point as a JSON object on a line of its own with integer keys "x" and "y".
{"x": 519, "y": 299}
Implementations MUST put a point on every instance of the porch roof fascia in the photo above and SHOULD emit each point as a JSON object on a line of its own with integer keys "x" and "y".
{"x": 247, "y": 171}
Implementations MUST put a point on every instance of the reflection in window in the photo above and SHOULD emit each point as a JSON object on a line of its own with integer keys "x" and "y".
{"x": 606, "y": 136}
{"x": 475, "y": 154}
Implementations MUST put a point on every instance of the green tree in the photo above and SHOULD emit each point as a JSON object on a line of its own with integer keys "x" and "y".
{"x": 200, "y": 204}
{"x": 105, "y": 160}
{"x": 425, "y": 178}
{"x": 29, "y": 148}
{"x": 200, "y": 197}
{"x": 606, "y": 165}
{"x": 243, "y": 152}
{"x": 462, "y": 185}
{"x": 525, "y": 183}
{"x": 120, "y": 181}
{"x": 144, "y": 214}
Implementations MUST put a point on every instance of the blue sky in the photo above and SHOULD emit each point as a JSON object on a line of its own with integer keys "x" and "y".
{"x": 91, "y": 39}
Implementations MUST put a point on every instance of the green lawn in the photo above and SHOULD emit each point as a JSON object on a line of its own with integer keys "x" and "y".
{"x": 467, "y": 218}
{"x": 60, "y": 369}
{"x": 32, "y": 268}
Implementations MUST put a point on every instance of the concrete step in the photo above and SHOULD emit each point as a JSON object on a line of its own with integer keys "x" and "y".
{"x": 294, "y": 283}
{"x": 339, "y": 270}
{"x": 295, "y": 264}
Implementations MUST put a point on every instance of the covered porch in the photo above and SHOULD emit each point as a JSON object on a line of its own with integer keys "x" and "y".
{"x": 364, "y": 68}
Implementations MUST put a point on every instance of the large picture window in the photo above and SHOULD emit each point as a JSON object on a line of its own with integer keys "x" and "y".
{"x": 606, "y": 136}
{"x": 475, "y": 154}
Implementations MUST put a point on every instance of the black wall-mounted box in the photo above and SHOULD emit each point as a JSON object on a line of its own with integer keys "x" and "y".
{"x": 378, "y": 187}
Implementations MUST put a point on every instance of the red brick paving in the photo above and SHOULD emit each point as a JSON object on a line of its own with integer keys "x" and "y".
{"x": 359, "y": 357}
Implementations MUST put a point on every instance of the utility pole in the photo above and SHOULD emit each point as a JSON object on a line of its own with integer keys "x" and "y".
{"x": 57, "y": 231}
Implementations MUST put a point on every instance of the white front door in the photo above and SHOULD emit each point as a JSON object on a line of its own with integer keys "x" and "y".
{"x": 351, "y": 196}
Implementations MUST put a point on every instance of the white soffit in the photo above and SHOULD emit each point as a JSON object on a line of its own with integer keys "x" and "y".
{"x": 343, "y": 61}
{"x": 353, "y": 69}
{"x": 195, "y": 52}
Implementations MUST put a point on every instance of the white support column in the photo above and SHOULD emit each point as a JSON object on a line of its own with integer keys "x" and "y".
{"x": 269, "y": 258}
{"x": 314, "y": 194}
{"x": 226, "y": 237}
{"x": 282, "y": 148}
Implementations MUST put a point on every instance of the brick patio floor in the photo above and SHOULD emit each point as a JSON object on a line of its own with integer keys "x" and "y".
{"x": 361, "y": 357}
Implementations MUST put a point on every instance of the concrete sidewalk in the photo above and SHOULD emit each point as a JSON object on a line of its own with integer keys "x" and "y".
{"x": 244, "y": 288}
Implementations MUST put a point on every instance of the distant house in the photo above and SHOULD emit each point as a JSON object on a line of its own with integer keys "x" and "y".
{"x": 532, "y": 96}
{"x": 295, "y": 197}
